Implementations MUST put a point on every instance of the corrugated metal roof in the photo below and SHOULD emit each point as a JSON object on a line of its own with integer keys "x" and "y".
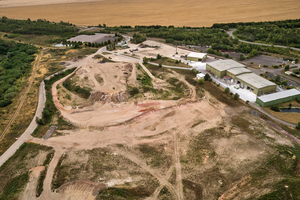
{"x": 238, "y": 71}
{"x": 278, "y": 95}
{"x": 255, "y": 80}
{"x": 197, "y": 55}
{"x": 223, "y": 65}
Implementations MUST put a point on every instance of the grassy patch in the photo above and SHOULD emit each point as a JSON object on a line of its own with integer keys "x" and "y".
{"x": 99, "y": 79}
{"x": 26, "y": 157}
{"x": 155, "y": 156}
{"x": 220, "y": 95}
{"x": 14, "y": 187}
{"x": 72, "y": 86}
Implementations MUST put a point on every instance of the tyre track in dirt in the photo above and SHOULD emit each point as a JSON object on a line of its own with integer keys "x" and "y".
{"x": 47, "y": 194}
{"x": 153, "y": 172}
{"x": 179, "y": 185}
{"x": 23, "y": 98}
{"x": 155, "y": 194}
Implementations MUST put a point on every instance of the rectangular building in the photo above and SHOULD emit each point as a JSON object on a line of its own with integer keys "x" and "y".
{"x": 278, "y": 97}
{"x": 256, "y": 84}
{"x": 219, "y": 68}
{"x": 193, "y": 56}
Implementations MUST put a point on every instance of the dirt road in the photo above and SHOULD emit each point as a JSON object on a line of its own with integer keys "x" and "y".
{"x": 27, "y": 134}
{"x": 23, "y": 98}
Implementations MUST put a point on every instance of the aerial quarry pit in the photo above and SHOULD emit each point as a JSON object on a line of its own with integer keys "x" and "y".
{"x": 195, "y": 147}
{"x": 145, "y": 132}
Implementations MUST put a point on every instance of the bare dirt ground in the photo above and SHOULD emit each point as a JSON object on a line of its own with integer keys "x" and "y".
{"x": 155, "y": 48}
{"x": 30, "y": 190}
{"x": 154, "y": 12}
{"x": 191, "y": 148}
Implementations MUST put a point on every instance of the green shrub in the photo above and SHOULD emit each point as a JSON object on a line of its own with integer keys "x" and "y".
{"x": 206, "y": 77}
{"x": 298, "y": 126}
{"x": 236, "y": 96}
{"x": 226, "y": 90}
{"x": 5, "y": 102}
{"x": 275, "y": 108}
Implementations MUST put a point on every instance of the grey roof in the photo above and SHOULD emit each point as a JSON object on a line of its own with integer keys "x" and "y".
{"x": 197, "y": 55}
{"x": 278, "y": 95}
{"x": 255, "y": 80}
{"x": 223, "y": 65}
{"x": 238, "y": 71}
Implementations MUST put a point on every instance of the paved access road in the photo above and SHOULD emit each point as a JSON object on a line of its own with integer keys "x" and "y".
{"x": 27, "y": 134}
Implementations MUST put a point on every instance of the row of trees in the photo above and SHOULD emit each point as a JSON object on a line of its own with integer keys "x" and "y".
{"x": 15, "y": 62}
{"x": 290, "y": 23}
{"x": 138, "y": 38}
{"x": 271, "y": 34}
{"x": 38, "y": 27}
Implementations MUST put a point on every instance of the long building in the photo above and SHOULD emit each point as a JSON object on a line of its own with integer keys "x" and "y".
{"x": 256, "y": 84}
{"x": 219, "y": 68}
{"x": 278, "y": 97}
{"x": 238, "y": 74}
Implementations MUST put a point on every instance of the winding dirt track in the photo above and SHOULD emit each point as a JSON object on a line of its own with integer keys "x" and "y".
{"x": 23, "y": 98}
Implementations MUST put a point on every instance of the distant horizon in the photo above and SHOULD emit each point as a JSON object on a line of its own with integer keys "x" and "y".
{"x": 133, "y": 12}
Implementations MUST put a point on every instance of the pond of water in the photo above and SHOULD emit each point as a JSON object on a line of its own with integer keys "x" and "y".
{"x": 289, "y": 110}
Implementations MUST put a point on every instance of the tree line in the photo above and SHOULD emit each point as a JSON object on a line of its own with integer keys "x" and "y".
{"x": 15, "y": 63}
{"x": 38, "y": 27}
{"x": 270, "y": 33}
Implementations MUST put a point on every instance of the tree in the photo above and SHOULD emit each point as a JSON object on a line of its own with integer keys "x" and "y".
{"x": 290, "y": 105}
{"x": 145, "y": 60}
{"x": 158, "y": 56}
{"x": 206, "y": 77}
{"x": 201, "y": 81}
{"x": 226, "y": 90}
{"x": 277, "y": 79}
{"x": 236, "y": 96}
{"x": 287, "y": 68}
{"x": 296, "y": 60}
{"x": 298, "y": 126}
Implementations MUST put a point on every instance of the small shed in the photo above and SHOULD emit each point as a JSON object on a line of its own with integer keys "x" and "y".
{"x": 193, "y": 56}
{"x": 200, "y": 76}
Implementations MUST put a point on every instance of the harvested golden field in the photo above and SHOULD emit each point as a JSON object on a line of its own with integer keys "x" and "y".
{"x": 154, "y": 12}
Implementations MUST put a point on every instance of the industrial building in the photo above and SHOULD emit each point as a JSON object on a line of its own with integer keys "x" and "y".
{"x": 219, "y": 68}
{"x": 238, "y": 74}
{"x": 278, "y": 97}
{"x": 255, "y": 83}
{"x": 193, "y": 56}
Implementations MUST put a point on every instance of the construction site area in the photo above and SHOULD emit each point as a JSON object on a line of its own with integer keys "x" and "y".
{"x": 140, "y": 131}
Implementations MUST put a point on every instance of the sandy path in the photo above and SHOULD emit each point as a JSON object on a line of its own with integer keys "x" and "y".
{"x": 153, "y": 172}
{"x": 47, "y": 194}
{"x": 30, "y": 190}
{"x": 179, "y": 185}
{"x": 155, "y": 194}
{"x": 23, "y": 97}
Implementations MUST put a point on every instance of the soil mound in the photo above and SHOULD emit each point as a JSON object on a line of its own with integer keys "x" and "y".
{"x": 80, "y": 189}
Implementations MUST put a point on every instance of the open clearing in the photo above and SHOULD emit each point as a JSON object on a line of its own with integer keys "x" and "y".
{"x": 154, "y": 12}
{"x": 170, "y": 139}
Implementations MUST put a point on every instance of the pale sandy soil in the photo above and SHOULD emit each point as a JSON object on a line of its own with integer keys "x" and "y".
{"x": 30, "y": 190}
{"x": 154, "y": 12}
{"x": 162, "y": 49}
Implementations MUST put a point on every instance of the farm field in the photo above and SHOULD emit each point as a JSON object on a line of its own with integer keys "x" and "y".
{"x": 154, "y": 12}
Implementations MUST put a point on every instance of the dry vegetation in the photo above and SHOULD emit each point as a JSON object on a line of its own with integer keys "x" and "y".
{"x": 288, "y": 117}
{"x": 14, "y": 173}
{"x": 152, "y": 12}
{"x": 203, "y": 145}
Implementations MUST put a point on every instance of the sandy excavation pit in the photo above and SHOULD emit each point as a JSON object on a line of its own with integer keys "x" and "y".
{"x": 194, "y": 148}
